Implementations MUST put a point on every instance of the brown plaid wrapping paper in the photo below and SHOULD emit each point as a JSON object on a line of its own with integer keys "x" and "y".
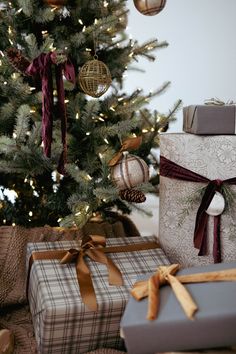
{"x": 62, "y": 323}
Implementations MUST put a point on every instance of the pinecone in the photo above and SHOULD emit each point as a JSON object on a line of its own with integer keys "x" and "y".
{"x": 17, "y": 60}
{"x": 132, "y": 195}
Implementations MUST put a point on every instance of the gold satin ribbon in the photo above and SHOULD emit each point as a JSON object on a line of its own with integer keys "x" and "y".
{"x": 165, "y": 275}
{"x": 93, "y": 247}
{"x": 127, "y": 145}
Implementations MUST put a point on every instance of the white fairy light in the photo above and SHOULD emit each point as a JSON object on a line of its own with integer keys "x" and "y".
{"x": 4, "y": 221}
{"x": 32, "y": 88}
{"x": 5, "y": 83}
{"x": 89, "y": 177}
{"x": 19, "y": 11}
{"x": 106, "y": 141}
{"x": 13, "y": 224}
{"x": 14, "y": 135}
{"x": 88, "y": 133}
{"x": 66, "y": 101}
{"x": 78, "y": 213}
{"x": 77, "y": 116}
{"x": 59, "y": 219}
{"x": 144, "y": 130}
{"x": 80, "y": 21}
{"x": 10, "y": 41}
{"x": 87, "y": 208}
{"x": 105, "y": 3}
{"x": 30, "y": 213}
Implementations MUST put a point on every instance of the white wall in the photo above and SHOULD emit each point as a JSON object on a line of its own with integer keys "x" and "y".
{"x": 200, "y": 62}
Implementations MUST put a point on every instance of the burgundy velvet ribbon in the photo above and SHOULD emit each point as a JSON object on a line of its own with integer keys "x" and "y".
{"x": 42, "y": 66}
{"x": 172, "y": 170}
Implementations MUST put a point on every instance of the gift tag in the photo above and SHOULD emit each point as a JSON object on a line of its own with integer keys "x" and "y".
{"x": 217, "y": 205}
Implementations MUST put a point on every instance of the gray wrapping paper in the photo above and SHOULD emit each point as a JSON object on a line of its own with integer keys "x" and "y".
{"x": 214, "y": 324}
{"x": 209, "y": 119}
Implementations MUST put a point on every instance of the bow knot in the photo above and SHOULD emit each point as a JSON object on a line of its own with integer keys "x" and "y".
{"x": 91, "y": 247}
{"x": 165, "y": 275}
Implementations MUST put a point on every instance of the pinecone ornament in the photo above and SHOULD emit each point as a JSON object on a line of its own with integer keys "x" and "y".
{"x": 17, "y": 60}
{"x": 132, "y": 195}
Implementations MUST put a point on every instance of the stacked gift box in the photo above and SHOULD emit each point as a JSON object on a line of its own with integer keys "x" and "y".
{"x": 78, "y": 291}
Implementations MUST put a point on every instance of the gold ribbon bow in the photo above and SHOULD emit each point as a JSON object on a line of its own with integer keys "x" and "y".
{"x": 94, "y": 248}
{"x": 127, "y": 145}
{"x": 165, "y": 275}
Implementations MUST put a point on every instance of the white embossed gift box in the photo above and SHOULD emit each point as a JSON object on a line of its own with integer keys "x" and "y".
{"x": 198, "y": 174}
{"x": 62, "y": 322}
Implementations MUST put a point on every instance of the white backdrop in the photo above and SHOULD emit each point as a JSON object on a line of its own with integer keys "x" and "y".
{"x": 200, "y": 62}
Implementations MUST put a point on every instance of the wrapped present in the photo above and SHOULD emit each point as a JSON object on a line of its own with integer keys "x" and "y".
{"x": 74, "y": 309}
{"x": 204, "y": 294}
{"x": 210, "y": 119}
{"x": 197, "y": 185}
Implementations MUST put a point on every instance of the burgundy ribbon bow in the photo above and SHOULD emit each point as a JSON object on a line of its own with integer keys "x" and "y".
{"x": 42, "y": 66}
{"x": 172, "y": 170}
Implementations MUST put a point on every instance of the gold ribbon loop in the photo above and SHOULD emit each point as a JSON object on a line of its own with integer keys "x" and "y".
{"x": 165, "y": 275}
{"x": 127, "y": 145}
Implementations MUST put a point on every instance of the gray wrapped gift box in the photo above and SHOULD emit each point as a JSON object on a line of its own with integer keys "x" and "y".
{"x": 214, "y": 325}
{"x": 209, "y": 119}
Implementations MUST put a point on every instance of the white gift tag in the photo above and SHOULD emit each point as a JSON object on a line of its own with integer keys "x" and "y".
{"x": 217, "y": 205}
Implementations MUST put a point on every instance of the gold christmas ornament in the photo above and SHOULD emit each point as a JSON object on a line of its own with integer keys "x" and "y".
{"x": 149, "y": 7}
{"x": 129, "y": 172}
{"x": 55, "y": 2}
{"x": 94, "y": 78}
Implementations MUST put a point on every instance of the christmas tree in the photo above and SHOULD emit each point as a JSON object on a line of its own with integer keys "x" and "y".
{"x": 46, "y": 45}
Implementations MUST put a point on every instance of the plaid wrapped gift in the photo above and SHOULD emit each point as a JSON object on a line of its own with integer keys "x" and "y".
{"x": 62, "y": 323}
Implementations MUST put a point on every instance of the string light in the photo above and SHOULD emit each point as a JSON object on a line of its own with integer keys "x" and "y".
{"x": 105, "y": 3}
{"x": 32, "y": 110}
{"x": 13, "y": 224}
{"x": 106, "y": 141}
{"x": 0, "y": 63}
{"x": 101, "y": 119}
{"x": 112, "y": 109}
{"x": 14, "y": 135}
{"x": 4, "y": 221}
{"x": 66, "y": 101}
{"x": 95, "y": 21}
{"x": 59, "y": 220}
{"x": 87, "y": 208}
{"x": 10, "y": 41}
{"x": 25, "y": 180}
{"x": 144, "y": 130}
{"x": 2, "y": 54}
{"x": 30, "y": 213}
{"x": 77, "y": 116}
{"x": 5, "y": 83}
{"x": 19, "y": 11}
{"x": 80, "y": 21}
{"x": 89, "y": 177}
{"x": 88, "y": 133}
{"x": 84, "y": 29}
{"x": 78, "y": 213}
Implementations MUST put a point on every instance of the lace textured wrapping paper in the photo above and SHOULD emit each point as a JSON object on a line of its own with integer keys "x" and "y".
{"x": 215, "y": 158}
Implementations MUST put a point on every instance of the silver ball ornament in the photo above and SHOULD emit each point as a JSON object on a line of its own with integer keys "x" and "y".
{"x": 129, "y": 172}
{"x": 149, "y": 7}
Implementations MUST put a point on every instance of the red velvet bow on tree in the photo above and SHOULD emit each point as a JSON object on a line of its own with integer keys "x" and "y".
{"x": 42, "y": 66}
{"x": 172, "y": 170}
